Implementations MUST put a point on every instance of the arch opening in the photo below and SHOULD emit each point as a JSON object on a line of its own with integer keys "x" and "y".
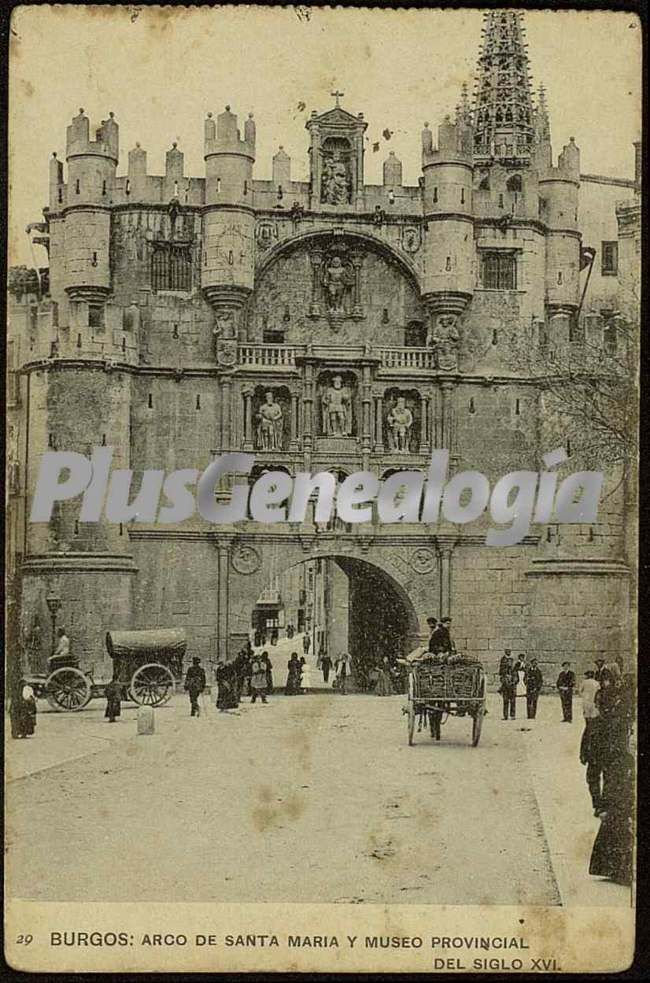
{"x": 327, "y": 605}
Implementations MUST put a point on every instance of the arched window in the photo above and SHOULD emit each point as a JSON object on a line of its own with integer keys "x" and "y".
{"x": 514, "y": 183}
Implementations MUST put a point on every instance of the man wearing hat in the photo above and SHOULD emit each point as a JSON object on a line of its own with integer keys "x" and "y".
{"x": 440, "y": 641}
{"x": 195, "y": 683}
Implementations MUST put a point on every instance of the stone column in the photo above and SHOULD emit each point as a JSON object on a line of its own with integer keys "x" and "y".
{"x": 308, "y": 414}
{"x": 425, "y": 441}
{"x": 379, "y": 423}
{"x": 223, "y": 557}
{"x": 316, "y": 258}
{"x": 293, "y": 443}
{"x": 366, "y": 401}
{"x": 248, "y": 419}
{"x": 444, "y": 571}
{"x": 357, "y": 261}
{"x": 447, "y": 435}
{"x": 226, "y": 416}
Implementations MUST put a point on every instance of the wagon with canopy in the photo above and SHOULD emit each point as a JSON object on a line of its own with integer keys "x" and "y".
{"x": 146, "y": 664}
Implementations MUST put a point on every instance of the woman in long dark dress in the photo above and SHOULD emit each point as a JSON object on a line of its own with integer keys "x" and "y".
{"x": 612, "y": 851}
{"x": 293, "y": 675}
{"x": 22, "y": 711}
{"x": 227, "y": 687}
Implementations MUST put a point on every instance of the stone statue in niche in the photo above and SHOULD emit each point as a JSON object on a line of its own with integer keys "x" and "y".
{"x": 337, "y": 409}
{"x": 337, "y": 280}
{"x": 335, "y": 188}
{"x": 400, "y": 424}
{"x": 270, "y": 424}
{"x": 444, "y": 339}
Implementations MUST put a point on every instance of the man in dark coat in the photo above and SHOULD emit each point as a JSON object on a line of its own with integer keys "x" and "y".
{"x": 533, "y": 680}
{"x": 600, "y": 665}
{"x": 566, "y": 683}
{"x": 195, "y": 683}
{"x": 508, "y": 688}
{"x": 506, "y": 655}
{"x": 592, "y": 755}
{"x": 440, "y": 641}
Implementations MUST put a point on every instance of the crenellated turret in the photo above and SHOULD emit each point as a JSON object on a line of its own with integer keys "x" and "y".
{"x": 91, "y": 177}
{"x": 228, "y": 220}
{"x": 558, "y": 190}
{"x": 448, "y": 281}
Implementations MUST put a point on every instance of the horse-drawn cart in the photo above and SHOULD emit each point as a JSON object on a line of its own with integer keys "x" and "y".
{"x": 439, "y": 690}
{"x": 145, "y": 663}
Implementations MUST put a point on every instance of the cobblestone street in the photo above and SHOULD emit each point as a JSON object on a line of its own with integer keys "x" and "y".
{"x": 309, "y": 798}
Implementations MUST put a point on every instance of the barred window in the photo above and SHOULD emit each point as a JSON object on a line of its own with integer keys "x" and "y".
{"x": 171, "y": 267}
{"x": 609, "y": 258}
{"x": 499, "y": 271}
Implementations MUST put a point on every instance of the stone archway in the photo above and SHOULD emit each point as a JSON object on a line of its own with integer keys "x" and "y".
{"x": 345, "y": 603}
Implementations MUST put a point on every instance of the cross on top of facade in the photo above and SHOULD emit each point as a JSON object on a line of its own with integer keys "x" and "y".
{"x": 337, "y": 95}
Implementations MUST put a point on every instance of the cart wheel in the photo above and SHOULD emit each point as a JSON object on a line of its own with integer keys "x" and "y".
{"x": 411, "y": 710}
{"x": 152, "y": 685}
{"x": 67, "y": 690}
{"x": 477, "y": 724}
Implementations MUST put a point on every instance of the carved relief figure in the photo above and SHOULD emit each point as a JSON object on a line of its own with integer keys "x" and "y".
{"x": 335, "y": 189}
{"x": 444, "y": 340}
{"x": 337, "y": 409}
{"x": 337, "y": 280}
{"x": 400, "y": 423}
{"x": 270, "y": 420}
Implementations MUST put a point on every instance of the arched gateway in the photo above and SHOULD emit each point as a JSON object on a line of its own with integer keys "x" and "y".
{"x": 373, "y": 601}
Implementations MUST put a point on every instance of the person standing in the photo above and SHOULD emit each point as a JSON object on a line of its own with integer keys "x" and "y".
{"x": 259, "y": 677}
{"x": 227, "y": 686}
{"x": 113, "y": 694}
{"x": 565, "y": 684}
{"x": 507, "y": 653}
{"x": 342, "y": 671}
{"x": 611, "y": 714}
{"x": 533, "y": 681}
{"x": 306, "y": 643}
{"x": 508, "y": 688}
{"x": 195, "y": 683}
{"x": 384, "y": 685}
{"x": 600, "y": 665}
{"x": 613, "y": 850}
{"x": 293, "y": 675}
{"x": 269, "y": 672}
{"x": 303, "y": 669}
{"x": 591, "y": 743}
{"x": 326, "y": 665}
{"x": 23, "y": 710}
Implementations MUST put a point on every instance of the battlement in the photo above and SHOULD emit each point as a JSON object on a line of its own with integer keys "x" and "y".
{"x": 224, "y": 137}
{"x": 568, "y": 165}
{"x": 455, "y": 140}
{"x": 105, "y": 144}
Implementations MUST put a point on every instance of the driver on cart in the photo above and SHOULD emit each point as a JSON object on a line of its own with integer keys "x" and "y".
{"x": 61, "y": 656}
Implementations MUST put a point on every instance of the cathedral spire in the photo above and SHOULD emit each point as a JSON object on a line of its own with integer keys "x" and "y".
{"x": 503, "y": 104}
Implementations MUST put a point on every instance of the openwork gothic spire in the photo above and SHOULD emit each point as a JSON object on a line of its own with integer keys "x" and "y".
{"x": 503, "y": 104}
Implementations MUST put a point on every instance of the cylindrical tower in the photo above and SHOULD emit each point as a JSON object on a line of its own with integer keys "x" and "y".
{"x": 91, "y": 175}
{"x": 558, "y": 188}
{"x": 228, "y": 219}
{"x": 448, "y": 279}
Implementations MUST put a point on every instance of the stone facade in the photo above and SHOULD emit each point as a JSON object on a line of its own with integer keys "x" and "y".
{"x": 188, "y": 316}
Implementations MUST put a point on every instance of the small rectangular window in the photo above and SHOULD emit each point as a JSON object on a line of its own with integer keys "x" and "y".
{"x": 95, "y": 316}
{"x": 609, "y": 258}
{"x": 272, "y": 337}
{"x": 499, "y": 270}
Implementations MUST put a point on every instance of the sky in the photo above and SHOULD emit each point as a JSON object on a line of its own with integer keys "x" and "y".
{"x": 161, "y": 69}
